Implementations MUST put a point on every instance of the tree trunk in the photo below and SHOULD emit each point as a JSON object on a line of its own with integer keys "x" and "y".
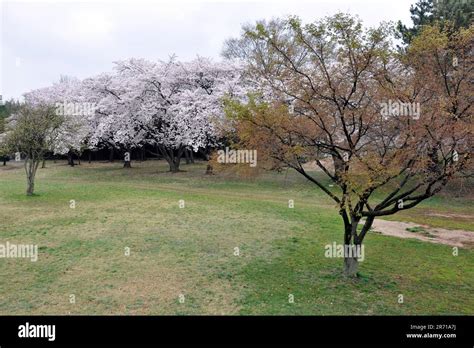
{"x": 174, "y": 165}
{"x": 111, "y": 155}
{"x": 172, "y": 156}
{"x": 90, "y": 156}
{"x": 31, "y": 165}
{"x": 351, "y": 265}
{"x": 30, "y": 189}
{"x": 4, "y": 161}
{"x": 70, "y": 159}
{"x": 354, "y": 240}
{"x": 209, "y": 170}
{"x": 186, "y": 154}
{"x": 205, "y": 153}
{"x": 351, "y": 241}
{"x": 43, "y": 165}
{"x": 177, "y": 160}
{"x": 158, "y": 151}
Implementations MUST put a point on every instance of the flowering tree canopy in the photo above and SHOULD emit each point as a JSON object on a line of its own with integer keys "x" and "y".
{"x": 70, "y": 100}
{"x": 170, "y": 105}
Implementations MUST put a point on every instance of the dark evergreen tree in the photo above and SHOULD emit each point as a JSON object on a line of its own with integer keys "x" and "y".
{"x": 425, "y": 12}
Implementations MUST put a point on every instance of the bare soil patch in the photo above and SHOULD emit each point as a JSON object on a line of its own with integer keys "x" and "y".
{"x": 458, "y": 238}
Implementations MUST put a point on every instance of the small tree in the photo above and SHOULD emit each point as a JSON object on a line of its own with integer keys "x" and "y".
{"x": 72, "y": 101}
{"x": 329, "y": 83}
{"x": 3, "y": 151}
{"x": 32, "y": 132}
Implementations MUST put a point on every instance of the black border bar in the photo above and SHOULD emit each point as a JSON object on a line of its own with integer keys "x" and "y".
{"x": 328, "y": 330}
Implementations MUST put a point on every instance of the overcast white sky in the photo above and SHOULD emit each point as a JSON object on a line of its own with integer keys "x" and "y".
{"x": 40, "y": 40}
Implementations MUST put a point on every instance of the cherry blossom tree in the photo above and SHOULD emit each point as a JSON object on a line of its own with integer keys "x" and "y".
{"x": 119, "y": 120}
{"x": 167, "y": 104}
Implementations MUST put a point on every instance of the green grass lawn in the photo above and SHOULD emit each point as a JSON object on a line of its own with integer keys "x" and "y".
{"x": 190, "y": 250}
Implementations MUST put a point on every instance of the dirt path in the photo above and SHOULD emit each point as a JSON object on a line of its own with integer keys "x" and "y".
{"x": 458, "y": 238}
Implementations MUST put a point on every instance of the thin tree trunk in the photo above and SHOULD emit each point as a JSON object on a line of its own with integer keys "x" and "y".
{"x": 30, "y": 188}
{"x": 70, "y": 159}
{"x": 353, "y": 240}
{"x": 43, "y": 165}
{"x": 111, "y": 155}
{"x": 31, "y": 165}
{"x": 351, "y": 262}
{"x": 90, "y": 156}
{"x": 205, "y": 153}
{"x": 186, "y": 155}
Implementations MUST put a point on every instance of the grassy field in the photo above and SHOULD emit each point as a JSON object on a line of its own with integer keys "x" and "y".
{"x": 190, "y": 251}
